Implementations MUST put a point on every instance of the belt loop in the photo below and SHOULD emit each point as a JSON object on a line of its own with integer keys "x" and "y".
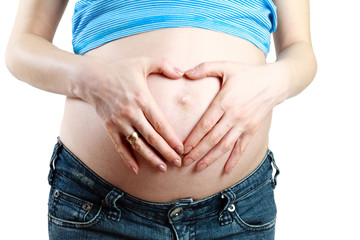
{"x": 54, "y": 157}
{"x": 225, "y": 214}
{"x": 277, "y": 170}
{"x": 111, "y": 199}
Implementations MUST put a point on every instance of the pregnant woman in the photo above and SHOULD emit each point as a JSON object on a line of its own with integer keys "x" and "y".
{"x": 167, "y": 115}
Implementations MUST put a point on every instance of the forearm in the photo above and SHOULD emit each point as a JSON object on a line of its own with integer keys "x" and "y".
{"x": 296, "y": 68}
{"x": 38, "y": 62}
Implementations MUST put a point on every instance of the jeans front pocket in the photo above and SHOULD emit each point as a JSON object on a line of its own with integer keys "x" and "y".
{"x": 68, "y": 210}
{"x": 256, "y": 210}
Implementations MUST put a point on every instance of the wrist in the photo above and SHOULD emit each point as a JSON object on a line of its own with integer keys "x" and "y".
{"x": 280, "y": 73}
{"x": 85, "y": 73}
{"x": 297, "y": 65}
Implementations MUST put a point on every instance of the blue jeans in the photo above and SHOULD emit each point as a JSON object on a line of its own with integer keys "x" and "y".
{"x": 84, "y": 206}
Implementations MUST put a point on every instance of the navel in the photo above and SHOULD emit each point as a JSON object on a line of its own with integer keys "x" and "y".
{"x": 184, "y": 99}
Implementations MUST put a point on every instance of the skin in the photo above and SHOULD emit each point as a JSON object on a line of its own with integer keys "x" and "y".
{"x": 229, "y": 123}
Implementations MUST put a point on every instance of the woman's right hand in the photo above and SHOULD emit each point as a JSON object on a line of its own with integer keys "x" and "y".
{"x": 119, "y": 93}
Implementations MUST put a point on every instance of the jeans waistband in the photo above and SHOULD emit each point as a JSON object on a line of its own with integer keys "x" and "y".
{"x": 66, "y": 163}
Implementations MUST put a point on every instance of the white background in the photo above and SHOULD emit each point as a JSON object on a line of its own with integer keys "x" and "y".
{"x": 315, "y": 137}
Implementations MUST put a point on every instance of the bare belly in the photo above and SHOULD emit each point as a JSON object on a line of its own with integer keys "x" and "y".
{"x": 182, "y": 101}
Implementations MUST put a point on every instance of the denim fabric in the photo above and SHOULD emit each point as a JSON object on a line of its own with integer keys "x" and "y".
{"x": 84, "y": 206}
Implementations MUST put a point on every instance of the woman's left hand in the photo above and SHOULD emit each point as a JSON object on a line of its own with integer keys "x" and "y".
{"x": 248, "y": 93}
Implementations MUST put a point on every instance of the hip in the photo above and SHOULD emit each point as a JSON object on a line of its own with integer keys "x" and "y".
{"x": 83, "y": 205}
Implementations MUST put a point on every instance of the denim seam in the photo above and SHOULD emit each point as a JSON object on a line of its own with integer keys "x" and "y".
{"x": 78, "y": 183}
{"x": 53, "y": 160}
{"x": 192, "y": 230}
{"x": 250, "y": 227}
{"x": 140, "y": 201}
{"x": 254, "y": 171}
{"x": 79, "y": 200}
{"x": 198, "y": 217}
{"x": 275, "y": 176}
{"x": 66, "y": 223}
{"x": 78, "y": 161}
{"x": 253, "y": 190}
{"x": 68, "y": 195}
{"x": 202, "y": 216}
{"x": 139, "y": 214}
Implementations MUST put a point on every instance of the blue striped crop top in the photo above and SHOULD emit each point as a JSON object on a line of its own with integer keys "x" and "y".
{"x": 96, "y": 22}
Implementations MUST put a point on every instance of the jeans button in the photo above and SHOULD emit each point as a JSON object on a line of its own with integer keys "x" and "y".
{"x": 176, "y": 212}
{"x": 86, "y": 207}
{"x": 56, "y": 193}
{"x": 231, "y": 208}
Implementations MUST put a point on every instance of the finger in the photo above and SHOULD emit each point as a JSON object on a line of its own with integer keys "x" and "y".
{"x": 225, "y": 145}
{"x": 209, "y": 141}
{"x": 148, "y": 154}
{"x": 127, "y": 156}
{"x": 158, "y": 121}
{"x": 234, "y": 157}
{"x": 122, "y": 148}
{"x": 156, "y": 141}
{"x": 207, "y": 69}
{"x": 163, "y": 66}
{"x": 245, "y": 140}
{"x": 239, "y": 149}
{"x": 140, "y": 146}
{"x": 205, "y": 124}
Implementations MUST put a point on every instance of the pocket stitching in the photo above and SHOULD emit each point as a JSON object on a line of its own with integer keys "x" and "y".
{"x": 248, "y": 226}
{"x": 66, "y": 223}
{"x": 253, "y": 190}
{"x": 77, "y": 224}
{"x": 84, "y": 187}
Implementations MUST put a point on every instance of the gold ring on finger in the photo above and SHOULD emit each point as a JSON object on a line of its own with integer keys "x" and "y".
{"x": 132, "y": 137}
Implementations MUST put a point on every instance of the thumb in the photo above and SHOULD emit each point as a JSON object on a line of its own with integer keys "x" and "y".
{"x": 207, "y": 69}
{"x": 163, "y": 66}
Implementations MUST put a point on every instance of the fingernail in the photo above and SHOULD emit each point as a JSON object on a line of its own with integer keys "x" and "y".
{"x": 179, "y": 150}
{"x": 178, "y": 71}
{"x": 162, "y": 168}
{"x": 177, "y": 162}
{"x": 191, "y": 71}
{"x": 187, "y": 149}
{"x": 135, "y": 170}
{"x": 201, "y": 167}
{"x": 188, "y": 161}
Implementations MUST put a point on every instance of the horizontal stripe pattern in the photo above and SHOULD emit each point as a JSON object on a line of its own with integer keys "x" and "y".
{"x": 96, "y": 22}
